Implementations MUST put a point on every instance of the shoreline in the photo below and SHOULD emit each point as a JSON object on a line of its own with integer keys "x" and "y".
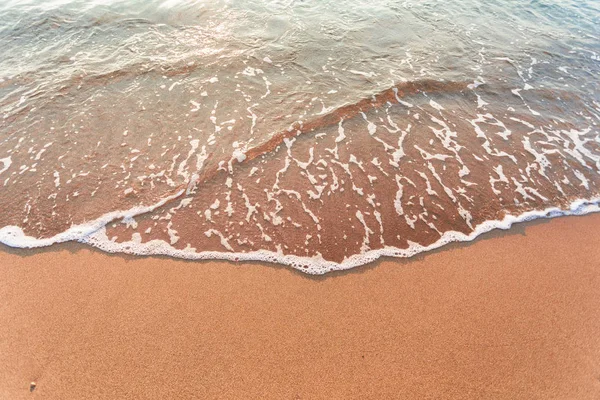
{"x": 93, "y": 233}
{"x": 511, "y": 315}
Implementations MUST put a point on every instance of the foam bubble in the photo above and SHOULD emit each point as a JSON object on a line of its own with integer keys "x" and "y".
{"x": 6, "y": 163}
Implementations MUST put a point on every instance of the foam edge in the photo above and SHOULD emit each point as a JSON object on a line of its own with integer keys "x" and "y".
{"x": 14, "y": 236}
{"x": 94, "y": 234}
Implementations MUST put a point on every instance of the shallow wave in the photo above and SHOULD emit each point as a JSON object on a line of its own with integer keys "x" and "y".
{"x": 94, "y": 234}
{"x": 316, "y": 135}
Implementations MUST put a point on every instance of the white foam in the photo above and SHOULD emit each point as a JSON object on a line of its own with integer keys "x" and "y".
{"x": 365, "y": 74}
{"x": 6, "y": 163}
{"x": 317, "y": 265}
{"x": 15, "y": 237}
{"x": 239, "y": 155}
{"x": 341, "y": 133}
{"x": 435, "y": 105}
{"x": 94, "y": 233}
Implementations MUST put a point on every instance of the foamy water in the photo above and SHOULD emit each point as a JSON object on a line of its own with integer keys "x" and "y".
{"x": 320, "y": 135}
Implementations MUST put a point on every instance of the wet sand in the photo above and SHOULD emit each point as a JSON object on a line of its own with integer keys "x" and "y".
{"x": 511, "y": 316}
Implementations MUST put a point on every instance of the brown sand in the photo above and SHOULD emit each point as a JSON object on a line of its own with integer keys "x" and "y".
{"x": 511, "y": 316}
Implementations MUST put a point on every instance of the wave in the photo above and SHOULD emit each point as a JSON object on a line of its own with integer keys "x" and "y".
{"x": 141, "y": 127}
{"x": 94, "y": 233}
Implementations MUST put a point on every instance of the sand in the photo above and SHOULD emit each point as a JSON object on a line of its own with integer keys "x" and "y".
{"x": 510, "y": 316}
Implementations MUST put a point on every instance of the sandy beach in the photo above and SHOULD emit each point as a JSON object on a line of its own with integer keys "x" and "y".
{"x": 510, "y": 316}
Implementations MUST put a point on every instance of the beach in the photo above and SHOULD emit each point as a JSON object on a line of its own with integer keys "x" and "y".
{"x": 512, "y": 315}
{"x": 299, "y": 200}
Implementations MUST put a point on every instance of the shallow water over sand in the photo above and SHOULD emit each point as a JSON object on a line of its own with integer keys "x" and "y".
{"x": 317, "y": 134}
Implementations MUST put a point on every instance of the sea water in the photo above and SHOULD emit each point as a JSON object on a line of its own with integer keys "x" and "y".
{"x": 317, "y": 134}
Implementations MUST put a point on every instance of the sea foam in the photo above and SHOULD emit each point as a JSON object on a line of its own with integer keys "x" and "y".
{"x": 94, "y": 233}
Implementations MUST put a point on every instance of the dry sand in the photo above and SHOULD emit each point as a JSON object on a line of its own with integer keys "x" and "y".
{"x": 510, "y": 316}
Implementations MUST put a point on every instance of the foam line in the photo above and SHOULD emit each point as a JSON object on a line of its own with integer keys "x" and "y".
{"x": 94, "y": 234}
{"x": 318, "y": 265}
{"x": 14, "y": 236}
